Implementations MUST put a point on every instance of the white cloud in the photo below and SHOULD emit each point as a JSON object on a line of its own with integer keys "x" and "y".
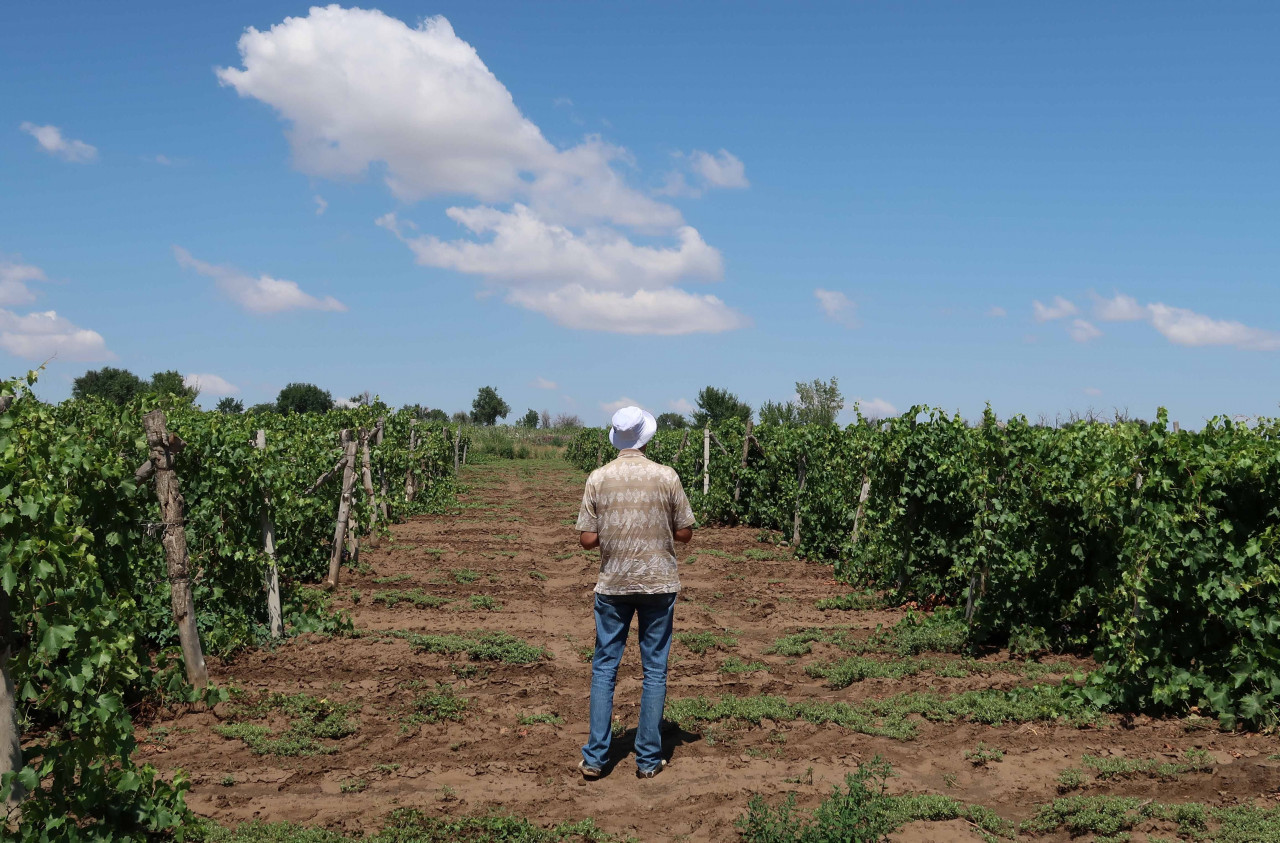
{"x": 666, "y": 312}
{"x": 1082, "y": 331}
{"x": 1185, "y": 327}
{"x": 838, "y": 307}
{"x": 612, "y": 407}
{"x": 1059, "y": 308}
{"x": 681, "y": 406}
{"x": 210, "y": 384}
{"x": 1092, "y": 390}
{"x": 997, "y": 312}
{"x": 1121, "y": 308}
{"x": 39, "y": 336}
{"x": 721, "y": 169}
{"x": 321, "y": 205}
{"x": 543, "y": 383}
{"x": 14, "y": 278}
{"x": 163, "y": 160}
{"x": 51, "y": 141}
{"x": 262, "y": 295}
{"x": 526, "y": 249}
{"x": 360, "y": 88}
{"x": 876, "y": 408}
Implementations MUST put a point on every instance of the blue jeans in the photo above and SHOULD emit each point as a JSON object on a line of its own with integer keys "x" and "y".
{"x": 613, "y": 618}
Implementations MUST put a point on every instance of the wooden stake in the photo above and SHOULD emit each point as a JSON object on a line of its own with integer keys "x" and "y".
{"x": 457, "y": 440}
{"x": 274, "y": 617}
{"x": 742, "y": 467}
{"x": 410, "y": 482}
{"x": 706, "y": 459}
{"x": 801, "y": 474}
{"x": 344, "y": 505}
{"x": 384, "y": 500}
{"x": 862, "y": 502}
{"x": 172, "y": 513}
{"x": 366, "y": 479}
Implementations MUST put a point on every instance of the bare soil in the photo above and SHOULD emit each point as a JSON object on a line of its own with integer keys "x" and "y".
{"x": 514, "y": 527}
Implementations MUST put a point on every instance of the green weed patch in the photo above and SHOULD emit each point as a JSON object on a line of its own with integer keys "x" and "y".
{"x": 311, "y": 720}
{"x": 478, "y": 645}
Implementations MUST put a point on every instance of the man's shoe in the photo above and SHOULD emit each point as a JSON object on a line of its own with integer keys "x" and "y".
{"x": 589, "y": 773}
{"x": 648, "y": 774}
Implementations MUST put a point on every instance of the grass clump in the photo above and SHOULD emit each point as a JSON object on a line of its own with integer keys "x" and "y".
{"x": 538, "y": 575}
{"x": 434, "y": 705}
{"x": 549, "y": 719}
{"x": 861, "y": 812}
{"x": 483, "y": 602}
{"x": 464, "y": 576}
{"x": 889, "y": 717}
{"x": 858, "y": 600}
{"x": 310, "y": 721}
{"x": 1115, "y": 815}
{"x": 733, "y": 664}
{"x": 701, "y": 642}
{"x": 1108, "y": 769}
{"x": 416, "y": 596}
{"x": 353, "y": 785}
{"x": 479, "y": 645}
{"x": 1070, "y": 779}
{"x": 407, "y": 825}
{"x": 941, "y": 632}
{"x": 982, "y": 754}
{"x": 801, "y": 643}
{"x": 845, "y": 672}
{"x": 391, "y": 580}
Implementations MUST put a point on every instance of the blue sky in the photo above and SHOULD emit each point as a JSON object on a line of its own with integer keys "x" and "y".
{"x": 1047, "y": 208}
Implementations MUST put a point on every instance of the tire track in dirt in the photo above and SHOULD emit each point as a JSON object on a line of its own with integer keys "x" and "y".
{"x": 513, "y": 529}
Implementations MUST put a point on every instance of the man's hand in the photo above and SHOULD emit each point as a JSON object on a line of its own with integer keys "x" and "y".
{"x": 590, "y": 541}
{"x": 683, "y": 536}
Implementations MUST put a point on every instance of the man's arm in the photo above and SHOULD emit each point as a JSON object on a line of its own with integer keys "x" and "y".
{"x": 590, "y": 541}
{"x": 683, "y": 536}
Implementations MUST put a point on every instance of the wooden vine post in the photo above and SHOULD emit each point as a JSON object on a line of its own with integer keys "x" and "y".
{"x": 742, "y": 467}
{"x": 802, "y": 473}
{"x": 10, "y": 734}
{"x": 385, "y": 498}
{"x": 410, "y": 482}
{"x": 163, "y": 449}
{"x": 275, "y": 619}
{"x": 862, "y": 504}
{"x": 457, "y": 440}
{"x": 344, "y": 505}
{"x": 706, "y": 459}
{"x": 366, "y": 479}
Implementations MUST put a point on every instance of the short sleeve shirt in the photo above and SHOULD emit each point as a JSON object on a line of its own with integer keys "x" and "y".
{"x": 635, "y": 505}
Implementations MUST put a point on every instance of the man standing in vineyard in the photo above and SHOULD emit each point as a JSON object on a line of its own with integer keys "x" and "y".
{"x": 634, "y": 510}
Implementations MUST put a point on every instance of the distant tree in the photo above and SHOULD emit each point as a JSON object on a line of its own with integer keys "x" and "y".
{"x": 436, "y": 415}
{"x": 488, "y": 407}
{"x": 775, "y": 412}
{"x": 303, "y": 398}
{"x": 460, "y": 418}
{"x": 672, "y": 421}
{"x": 118, "y": 386}
{"x": 546, "y": 418}
{"x": 268, "y": 407}
{"x": 819, "y": 402}
{"x": 530, "y": 419}
{"x": 716, "y": 405}
{"x": 567, "y": 421}
{"x": 227, "y": 404}
{"x": 170, "y": 383}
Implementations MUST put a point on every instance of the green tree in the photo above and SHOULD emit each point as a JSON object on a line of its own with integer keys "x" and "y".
{"x": 170, "y": 383}
{"x": 460, "y": 418}
{"x": 227, "y": 404}
{"x": 267, "y": 407}
{"x": 435, "y": 414}
{"x": 119, "y": 386}
{"x": 776, "y": 412}
{"x": 488, "y": 407}
{"x": 530, "y": 419}
{"x": 819, "y": 401}
{"x": 303, "y": 398}
{"x": 672, "y": 421}
{"x": 716, "y": 405}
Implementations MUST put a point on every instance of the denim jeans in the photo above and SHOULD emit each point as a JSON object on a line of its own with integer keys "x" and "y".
{"x": 613, "y": 618}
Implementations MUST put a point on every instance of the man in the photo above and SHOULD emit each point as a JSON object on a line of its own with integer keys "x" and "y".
{"x": 634, "y": 510}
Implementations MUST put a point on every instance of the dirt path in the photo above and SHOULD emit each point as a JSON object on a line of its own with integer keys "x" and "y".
{"x": 514, "y": 532}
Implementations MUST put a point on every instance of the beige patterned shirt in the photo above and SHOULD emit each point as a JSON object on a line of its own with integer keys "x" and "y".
{"x": 635, "y": 505}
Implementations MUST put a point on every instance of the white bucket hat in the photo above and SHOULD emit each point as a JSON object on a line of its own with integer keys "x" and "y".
{"x": 632, "y": 428}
